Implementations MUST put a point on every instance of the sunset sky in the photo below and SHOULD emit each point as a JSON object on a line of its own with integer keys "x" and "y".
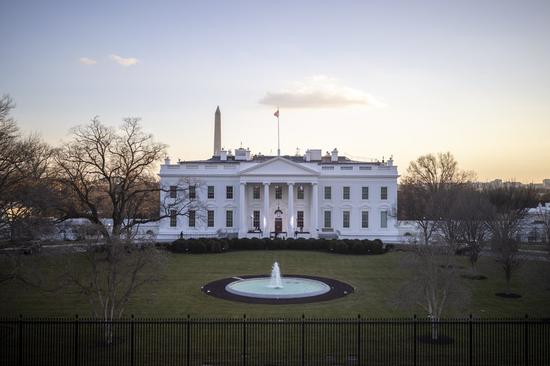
{"x": 372, "y": 78}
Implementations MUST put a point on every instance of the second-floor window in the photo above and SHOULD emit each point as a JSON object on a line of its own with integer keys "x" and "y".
{"x": 210, "y": 192}
{"x": 256, "y": 219}
{"x": 173, "y": 191}
{"x": 328, "y": 192}
{"x": 300, "y": 193}
{"x": 365, "y": 193}
{"x": 191, "y": 217}
{"x": 256, "y": 192}
{"x": 229, "y": 192}
{"x": 278, "y": 192}
{"x": 210, "y": 218}
{"x": 192, "y": 192}
{"x": 345, "y": 219}
{"x": 383, "y": 193}
{"x": 345, "y": 193}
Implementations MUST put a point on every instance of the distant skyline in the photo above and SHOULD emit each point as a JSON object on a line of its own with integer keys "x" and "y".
{"x": 371, "y": 78}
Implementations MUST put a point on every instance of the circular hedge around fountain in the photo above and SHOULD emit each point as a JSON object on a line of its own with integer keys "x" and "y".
{"x": 219, "y": 289}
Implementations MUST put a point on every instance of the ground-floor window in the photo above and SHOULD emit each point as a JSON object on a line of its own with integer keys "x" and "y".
{"x": 173, "y": 218}
{"x": 345, "y": 219}
{"x": 384, "y": 219}
{"x": 256, "y": 219}
{"x": 229, "y": 218}
{"x": 328, "y": 219}
{"x": 300, "y": 220}
{"x": 210, "y": 218}
{"x": 191, "y": 217}
{"x": 365, "y": 219}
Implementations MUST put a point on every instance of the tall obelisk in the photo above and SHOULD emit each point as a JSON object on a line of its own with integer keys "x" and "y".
{"x": 217, "y": 132}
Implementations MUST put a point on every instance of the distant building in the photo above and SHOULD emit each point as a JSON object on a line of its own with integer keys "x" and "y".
{"x": 310, "y": 196}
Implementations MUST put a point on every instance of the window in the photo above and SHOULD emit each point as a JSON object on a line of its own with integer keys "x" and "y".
{"x": 173, "y": 218}
{"x": 328, "y": 192}
{"x": 365, "y": 219}
{"x": 383, "y": 193}
{"x": 192, "y": 192}
{"x": 191, "y": 217}
{"x": 345, "y": 193}
{"x": 300, "y": 193}
{"x": 256, "y": 219}
{"x": 173, "y": 191}
{"x": 345, "y": 219}
{"x": 210, "y": 220}
{"x": 256, "y": 192}
{"x": 229, "y": 218}
{"x": 278, "y": 192}
{"x": 229, "y": 192}
{"x": 365, "y": 193}
{"x": 328, "y": 219}
{"x": 210, "y": 192}
{"x": 384, "y": 219}
{"x": 300, "y": 220}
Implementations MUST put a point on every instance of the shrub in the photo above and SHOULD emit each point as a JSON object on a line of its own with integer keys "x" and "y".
{"x": 215, "y": 245}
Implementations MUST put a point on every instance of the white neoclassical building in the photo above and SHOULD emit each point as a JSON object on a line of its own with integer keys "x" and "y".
{"x": 311, "y": 196}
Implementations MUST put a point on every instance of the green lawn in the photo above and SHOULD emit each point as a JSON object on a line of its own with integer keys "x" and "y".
{"x": 375, "y": 278}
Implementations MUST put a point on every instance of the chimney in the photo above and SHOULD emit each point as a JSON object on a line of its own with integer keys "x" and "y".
{"x": 223, "y": 154}
{"x": 217, "y": 132}
{"x": 166, "y": 160}
{"x": 334, "y": 155}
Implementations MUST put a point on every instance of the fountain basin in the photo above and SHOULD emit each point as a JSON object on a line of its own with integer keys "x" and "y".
{"x": 220, "y": 289}
{"x": 292, "y": 287}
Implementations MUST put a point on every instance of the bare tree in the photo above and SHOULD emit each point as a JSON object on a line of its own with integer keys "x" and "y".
{"x": 112, "y": 274}
{"x": 433, "y": 284}
{"x": 109, "y": 173}
{"x": 472, "y": 210}
{"x": 509, "y": 207}
{"x": 425, "y": 191}
{"x": 543, "y": 217}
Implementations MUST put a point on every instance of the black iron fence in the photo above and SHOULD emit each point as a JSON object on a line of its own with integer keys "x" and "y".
{"x": 301, "y": 341}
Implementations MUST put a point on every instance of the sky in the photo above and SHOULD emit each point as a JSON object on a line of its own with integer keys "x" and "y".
{"x": 371, "y": 78}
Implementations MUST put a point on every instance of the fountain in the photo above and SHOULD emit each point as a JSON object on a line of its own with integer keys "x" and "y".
{"x": 276, "y": 289}
{"x": 276, "y": 281}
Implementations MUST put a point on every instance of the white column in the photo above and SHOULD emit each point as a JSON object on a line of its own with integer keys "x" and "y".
{"x": 314, "y": 209}
{"x": 265, "y": 215}
{"x": 243, "y": 227}
{"x": 291, "y": 216}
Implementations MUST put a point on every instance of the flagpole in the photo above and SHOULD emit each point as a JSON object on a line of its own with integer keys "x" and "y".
{"x": 278, "y": 135}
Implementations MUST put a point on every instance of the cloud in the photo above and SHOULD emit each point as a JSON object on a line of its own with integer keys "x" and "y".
{"x": 124, "y": 61}
{"x": 87, "y": 61}
{"x": 319, "y": 91}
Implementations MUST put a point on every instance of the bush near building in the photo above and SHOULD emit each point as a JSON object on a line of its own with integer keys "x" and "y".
{"x": 215, "y": 245}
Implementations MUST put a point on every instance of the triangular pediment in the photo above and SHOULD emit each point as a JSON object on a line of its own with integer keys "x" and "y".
{"x": 279, "y": 166}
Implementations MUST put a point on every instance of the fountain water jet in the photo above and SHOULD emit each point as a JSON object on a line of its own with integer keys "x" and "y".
{"x": 276, "y": 281}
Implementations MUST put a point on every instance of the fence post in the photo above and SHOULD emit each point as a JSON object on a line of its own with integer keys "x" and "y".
{"x": 302, "y": 352}
{"x": 471, "y": 341}
{"x": 188, "y": 347}
{"x": 20, "y": 355}
{"x": 415, "y": 336}
{"x": 244, "y": 339}
{"x": 132, "y": 341}
{"x": 358, "y": 339}
{"x": 526, "y": 338}
{"x": 76, "y": 339}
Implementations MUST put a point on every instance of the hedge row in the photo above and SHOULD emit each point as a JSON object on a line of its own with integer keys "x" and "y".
{"x": 344, "y": 246}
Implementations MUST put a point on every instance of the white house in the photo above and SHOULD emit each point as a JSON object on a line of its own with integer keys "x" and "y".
{"x": 310, "y": 196}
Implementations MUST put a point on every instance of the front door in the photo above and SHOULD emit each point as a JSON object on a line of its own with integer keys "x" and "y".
{"x": 278, "y": 224}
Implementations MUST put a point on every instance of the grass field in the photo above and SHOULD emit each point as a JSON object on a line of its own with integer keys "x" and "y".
{"x": 376, "y": 280}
